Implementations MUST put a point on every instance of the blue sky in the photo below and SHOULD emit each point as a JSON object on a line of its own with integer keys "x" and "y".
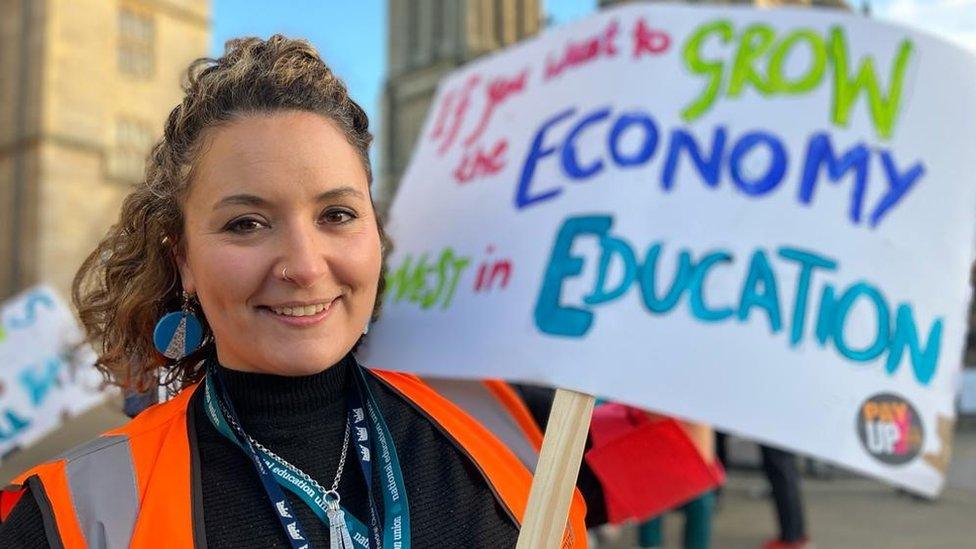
{"x": 352, "y": 40}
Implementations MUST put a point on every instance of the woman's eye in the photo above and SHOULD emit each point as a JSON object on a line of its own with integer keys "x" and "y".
{"x": 337, "y": 217}
{"x": 244, "y": 225}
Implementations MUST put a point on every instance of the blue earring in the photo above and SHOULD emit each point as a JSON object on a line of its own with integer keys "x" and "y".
{"x": 179, "y": 333}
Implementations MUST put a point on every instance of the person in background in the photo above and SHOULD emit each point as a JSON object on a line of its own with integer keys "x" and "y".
{"x": 697, "y": 512}
{"x": 781, "y": 471}
{"x": 784, "y": 480}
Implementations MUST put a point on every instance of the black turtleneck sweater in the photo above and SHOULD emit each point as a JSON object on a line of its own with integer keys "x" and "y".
{"x": 302, "y": 419}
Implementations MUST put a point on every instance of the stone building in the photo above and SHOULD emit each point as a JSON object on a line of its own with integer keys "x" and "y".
{"x": 85, "y": 86}
{"x": 428, "y": 39}
{"x": 763, "y": 3}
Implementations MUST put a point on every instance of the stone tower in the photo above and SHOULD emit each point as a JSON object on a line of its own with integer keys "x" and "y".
{"x": 85, "y": 86}
{"x": 766, "y": 3}
{"x": 429, "y": 38}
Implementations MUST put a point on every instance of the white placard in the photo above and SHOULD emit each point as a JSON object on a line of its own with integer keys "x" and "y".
{"x": 44, "y": 374}
{"x": 761, "y": 220}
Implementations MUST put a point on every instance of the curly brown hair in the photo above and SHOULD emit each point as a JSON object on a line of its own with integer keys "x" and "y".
{"x": 131, "y": 277}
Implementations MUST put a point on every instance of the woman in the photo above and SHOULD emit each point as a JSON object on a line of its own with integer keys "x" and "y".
{"x": 256, "y": 220}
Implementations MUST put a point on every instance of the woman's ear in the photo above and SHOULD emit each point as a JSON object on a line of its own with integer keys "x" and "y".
{"x": 186, "y": 273}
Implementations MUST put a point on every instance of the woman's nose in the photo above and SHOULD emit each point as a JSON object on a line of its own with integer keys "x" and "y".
{"x": 304, "y": 261}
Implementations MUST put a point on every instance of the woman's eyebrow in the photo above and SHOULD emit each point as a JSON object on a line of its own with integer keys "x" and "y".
{"x": 339, "y": 192}
{"x": 257, "y": 201}
{"x": 240, "y": 200}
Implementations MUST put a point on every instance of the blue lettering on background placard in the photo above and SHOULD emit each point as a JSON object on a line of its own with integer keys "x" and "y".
{"x": 699, "y": 309}
{"x": 38, "y": 379}
{"x": 550, "y": 315}
{"x": 33, "y": 301}
{"x": 759, "y": 293}
{"x": 12, "y": 424}
{"x": 681, "y": 280}
{"x": 707, "y": 163}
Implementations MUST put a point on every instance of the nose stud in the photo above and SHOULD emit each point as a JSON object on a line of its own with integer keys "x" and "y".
{"x": 286, "y": 278}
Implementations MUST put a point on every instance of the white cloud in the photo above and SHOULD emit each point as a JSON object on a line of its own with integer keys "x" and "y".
{"x": 952, "y": 19}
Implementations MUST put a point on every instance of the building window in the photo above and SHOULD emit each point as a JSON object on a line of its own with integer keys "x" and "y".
{"x": 133, "y": 140}
{"x": 437, "y": 32}
{"x": 520, "y": 20}
{"x": 413, "y": 37}
{"x": 500, "y": 23}
{"x": 137, "y": 34}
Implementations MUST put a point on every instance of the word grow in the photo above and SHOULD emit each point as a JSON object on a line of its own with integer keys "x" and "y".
{"x": 759, "y": 57}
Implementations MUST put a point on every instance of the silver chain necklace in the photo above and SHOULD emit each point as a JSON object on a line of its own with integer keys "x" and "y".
{"x": 339, "y": 537}
{"x": 304, "y": 476}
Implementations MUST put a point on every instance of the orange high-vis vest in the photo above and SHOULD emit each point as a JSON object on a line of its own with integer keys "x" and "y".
{"x": 133, "y": 486}
{"x": 496, "y": 406}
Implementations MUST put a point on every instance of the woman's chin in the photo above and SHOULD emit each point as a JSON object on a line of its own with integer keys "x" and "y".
{"x": 305, "y": 364}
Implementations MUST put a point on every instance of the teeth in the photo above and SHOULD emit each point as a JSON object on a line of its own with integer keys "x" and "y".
{"x": 307, "y": 310}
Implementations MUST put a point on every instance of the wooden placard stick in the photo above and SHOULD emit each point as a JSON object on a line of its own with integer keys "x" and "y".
{"x": 555, "y": 474}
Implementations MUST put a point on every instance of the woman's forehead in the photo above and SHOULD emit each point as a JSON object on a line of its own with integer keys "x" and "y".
{"x": 287, "y": 155}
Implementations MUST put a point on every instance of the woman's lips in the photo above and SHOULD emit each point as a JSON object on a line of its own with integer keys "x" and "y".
{"x": 301, "y": 321}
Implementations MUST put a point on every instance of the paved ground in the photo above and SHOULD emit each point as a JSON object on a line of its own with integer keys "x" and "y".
{"x": 852, "y": 513}
{"x": 845, "y": 511}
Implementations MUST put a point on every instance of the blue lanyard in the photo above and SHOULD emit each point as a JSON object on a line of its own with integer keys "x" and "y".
{"x": 366, "y": 423}
{"x": 396, "y": 515}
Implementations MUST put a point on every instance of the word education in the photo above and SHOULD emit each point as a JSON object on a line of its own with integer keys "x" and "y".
{"x": 895, "y": 328}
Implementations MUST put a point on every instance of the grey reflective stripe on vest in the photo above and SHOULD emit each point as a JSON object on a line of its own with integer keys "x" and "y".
{"x": 480, "y": 403}
{"x": 102, "y": 481}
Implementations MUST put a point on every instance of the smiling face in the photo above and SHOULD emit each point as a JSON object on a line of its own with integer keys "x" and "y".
{"x": 281, "y": 243}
